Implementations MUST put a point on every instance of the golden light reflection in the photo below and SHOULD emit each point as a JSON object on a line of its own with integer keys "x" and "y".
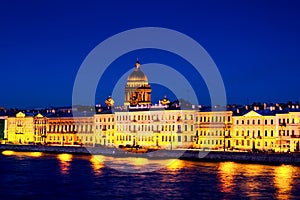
{"x": 65, "y": 160}
{"x": 283, "y": 181}
{"x": 175, "y": 165}
{"x": 139, "y": 161}
{"x": 35, "y": 154}
{"x": 8, "y": 153}
{"x": 97, "y": 163}
{"x": 253, "y": 172}
{"x": 22, "y": 154}
{"x": 226, "y": 173}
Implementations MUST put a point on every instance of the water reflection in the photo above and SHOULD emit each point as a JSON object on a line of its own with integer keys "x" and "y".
{"x": 140, "y": 165}
{"x": 139, "y": 162}
{"x": 97, "y": 163}
{"x": 175, "y": 165}
{"x": 22, "y": 154}
{"x": 35, "y": 154}
{"x": 254, "y": 173}
{"x": 283, "y": 181}
{"x": 226, "y": 173}
{"x": 8, "y": 153}
{"x": 64, "y": 164}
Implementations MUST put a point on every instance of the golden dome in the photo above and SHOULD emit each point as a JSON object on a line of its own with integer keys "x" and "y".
{"x": 137, "y": 75}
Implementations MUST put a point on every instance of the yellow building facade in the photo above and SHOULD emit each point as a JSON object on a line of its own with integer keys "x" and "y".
{"x": 66, "y": 131}
{"x": 213, "y": 130}
{"x": 254, "y": 131}
{"x": 104, "y": 126}
{"x": 24, "y": 129}
{"x": 166, "y": 129}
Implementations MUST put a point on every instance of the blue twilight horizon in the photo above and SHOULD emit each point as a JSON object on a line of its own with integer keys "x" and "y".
{"x": 255, "y": 45}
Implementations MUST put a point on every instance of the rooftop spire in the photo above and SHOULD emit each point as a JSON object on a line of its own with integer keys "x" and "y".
{"x": 137, "y": 63}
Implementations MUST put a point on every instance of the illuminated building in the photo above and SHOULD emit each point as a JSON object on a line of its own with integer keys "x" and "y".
{"x": 62, "y": 131}
{"x": 104, "y": 128}
{"x": 137, "y": 89}
{"x": 70, "y": 131}
{"x": 167, "y": 129}
{"x": 165, "y": 125}
{"x": 3, "y": 128}
{"x": 255, "y": 131}
{"x": 288, "y": 131}
{"x": 214, "y": 130}
{"x": 28, "y": 129}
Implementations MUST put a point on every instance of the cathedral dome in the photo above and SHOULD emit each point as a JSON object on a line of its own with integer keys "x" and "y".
{"x": 137, "y": 76}
{"x": 137, "y": 89}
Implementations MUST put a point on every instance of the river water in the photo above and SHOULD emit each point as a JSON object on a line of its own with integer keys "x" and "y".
{"x": 64, "y": 176}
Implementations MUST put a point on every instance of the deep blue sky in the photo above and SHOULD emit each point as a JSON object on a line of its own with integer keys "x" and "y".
{"x": 255, "y": 45}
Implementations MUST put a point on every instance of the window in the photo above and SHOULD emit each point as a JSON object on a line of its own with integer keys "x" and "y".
{"x": 272, "y": 121}
{"x": 266, "y": 144}
{"x": 242, "y": 142}
{"x": 258, "y": 121}
{"x": 266, "y": 133}
{"x": 271, "y": 133}
{"x": 248, "y": 142}
{"x": 237, "y": 142}
{"x": 237, "y": 121}
{"x": 179, "y": 138}
{"x": 266, "y": 122}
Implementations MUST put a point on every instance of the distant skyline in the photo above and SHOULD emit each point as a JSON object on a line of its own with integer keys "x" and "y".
{"x": 255, "y": 45}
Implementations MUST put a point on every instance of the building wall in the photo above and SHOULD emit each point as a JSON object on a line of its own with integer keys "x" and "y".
{"x": 168, "y": 129}
{"x": 104, "y": 126}
{"x": 213, "y": 130}
{"x": 20, "y": 129}
{"x": 254, "y": 131}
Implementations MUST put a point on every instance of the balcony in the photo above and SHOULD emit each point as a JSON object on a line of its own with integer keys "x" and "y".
{"x": 295, "y": 136}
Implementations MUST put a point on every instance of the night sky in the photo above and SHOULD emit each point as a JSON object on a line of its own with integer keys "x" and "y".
{"x": 255, "y": 45}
